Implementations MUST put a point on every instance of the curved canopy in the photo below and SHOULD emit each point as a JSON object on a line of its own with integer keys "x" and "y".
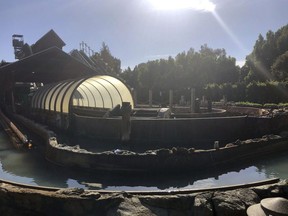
{"x": 94, "y": 92}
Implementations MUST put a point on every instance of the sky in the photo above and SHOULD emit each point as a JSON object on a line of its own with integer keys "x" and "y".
{"x": 140, "y": 30}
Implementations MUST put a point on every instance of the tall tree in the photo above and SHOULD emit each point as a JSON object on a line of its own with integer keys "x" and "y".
{"x": 280, "y": 67}
{"x": 263, "y": 63}
{"x": 107, "y": 61}
{"x": 186, "y": 70}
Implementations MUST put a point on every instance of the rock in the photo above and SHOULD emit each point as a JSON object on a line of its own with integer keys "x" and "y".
{"x": 271, "y": 136}
{"x": 163, "y": 152}
{"x": 92, "y": 185}
{"x": 131, "y": 207}
{"x": 180, "y": 151}
{"x": 71, "y": 191}
{"x": 149, "y": 152}
{"x": 274, "y": 190}
{"x": 247, "y": 196}
{"x": 203, "y": 204}
{"x": 234, "y": 202}
{"x": 92, "y": 194}
{"x": 123, "y": 152}
{"x": 191, "y": 150}
{"x": 284, "y": 133}
{"x": 230, "y": 145}
{"x": 238, "y": 142}
{"x": 176, "y": 202}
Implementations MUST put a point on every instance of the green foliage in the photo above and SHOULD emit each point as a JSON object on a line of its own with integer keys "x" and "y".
{"x": 263, "y": 78}
{"x": 265, "y": 106}
{"x": 232, "y": 92}
{"x": 268, "y": 92}
{"x": 248, "y": 104}
{"x": 187, "y": 70}
{"x": 268, "y": 60}
{"x": 3, "y": 62}
{"x": 282, "y": 105}
{"x": 280, "y": 67}
{"x": 106, "y": 61}
{"x": 270, "y": 106}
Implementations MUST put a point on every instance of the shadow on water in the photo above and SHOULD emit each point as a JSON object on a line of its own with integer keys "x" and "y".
{"x": 30, "y": 167}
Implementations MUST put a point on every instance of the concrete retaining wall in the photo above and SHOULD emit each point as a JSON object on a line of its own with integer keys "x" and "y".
{"x": 166, "y": 160}
{"x": 152, "y": 133}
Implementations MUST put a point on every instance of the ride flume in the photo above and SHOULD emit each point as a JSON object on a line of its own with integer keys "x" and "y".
{"x": 159, "y": 160}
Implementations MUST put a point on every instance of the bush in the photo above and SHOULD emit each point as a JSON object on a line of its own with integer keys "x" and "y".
{"x": 248, "y": 104}
{"x": 270, "y": 106}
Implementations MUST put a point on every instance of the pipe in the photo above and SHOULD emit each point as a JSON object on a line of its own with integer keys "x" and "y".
{"x": 13, "y": 127}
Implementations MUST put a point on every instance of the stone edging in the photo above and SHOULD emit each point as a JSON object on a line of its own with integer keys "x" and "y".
{"x": 16, "y": 200}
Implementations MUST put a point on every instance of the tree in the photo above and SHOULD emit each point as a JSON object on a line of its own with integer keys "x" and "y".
{"x": 3, "y": 62}
{"x": 106, "y": 61}
{"x": 187, "y": 70}
{"x": 267, "y": 60}
{"x": 280, "y": 67}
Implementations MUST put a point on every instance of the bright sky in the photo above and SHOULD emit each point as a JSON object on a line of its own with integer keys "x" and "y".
{"x": 140, "y": 30}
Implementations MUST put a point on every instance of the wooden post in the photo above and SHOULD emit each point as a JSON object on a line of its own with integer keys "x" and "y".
{"x": 209, "y": 105}
{"x": 12, "y": 101}
{"x": 170, "y": 99}
{"x": 150, "y": 98}
{"x": 192, "y": 106}
{"x": 134, "y": 97}
{"x": 126, "y": 121}
{"x": 216, "y": 145}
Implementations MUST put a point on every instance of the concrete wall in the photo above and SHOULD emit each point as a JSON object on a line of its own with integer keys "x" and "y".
{"x": 195, "y": 132}
{"x": 98, "y": 127}
{"x": 165, "y": 160}
{"x": 151, "y": 133}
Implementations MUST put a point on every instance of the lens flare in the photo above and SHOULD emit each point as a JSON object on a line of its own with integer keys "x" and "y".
{"x": 200, "y": 5}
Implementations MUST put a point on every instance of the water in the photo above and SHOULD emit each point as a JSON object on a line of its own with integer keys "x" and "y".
{"x": 30, "y": 167}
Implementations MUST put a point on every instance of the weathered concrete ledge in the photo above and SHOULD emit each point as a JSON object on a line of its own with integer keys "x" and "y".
{"x": 17, "y": 200}
{"x": 161, "y": 160}
{"x": 164, "y": 160}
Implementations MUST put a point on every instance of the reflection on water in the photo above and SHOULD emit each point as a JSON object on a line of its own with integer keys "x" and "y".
{"x": 30, "y": 167}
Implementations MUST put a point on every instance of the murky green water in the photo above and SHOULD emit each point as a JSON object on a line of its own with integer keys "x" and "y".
{"x": 30, "y": 167}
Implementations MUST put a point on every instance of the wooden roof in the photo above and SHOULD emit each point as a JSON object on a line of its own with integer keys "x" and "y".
{"x": 50, "y": 65}
{"x": 50, "y": 39}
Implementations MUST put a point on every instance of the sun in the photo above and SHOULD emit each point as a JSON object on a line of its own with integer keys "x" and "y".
{"x": 200, "y": 5}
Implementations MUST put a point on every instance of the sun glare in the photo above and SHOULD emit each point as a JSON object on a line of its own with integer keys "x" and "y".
{"x": 200, "y": 5}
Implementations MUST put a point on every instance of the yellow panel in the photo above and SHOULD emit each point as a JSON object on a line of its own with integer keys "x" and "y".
{"x": 43, "y": 96}
{"x": 83, "y": 96}
{"x": 49, "y": 95}
{"x": 97, "y": 97}
{"x": 68, "y": 95}
{"x": 107, "y": 102}
{"x": 97, "y": 91}
{"x": 114, "y": 94}
{"x": 34, "y": 99}
{"x": 87, "y": 95}
{"x": 122, "y": 89}
{"x": 90, "y": 92}
{"x": 61, "y": 95}
{"x": 77, "y": 99}
{"x": 55, "y": 95}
